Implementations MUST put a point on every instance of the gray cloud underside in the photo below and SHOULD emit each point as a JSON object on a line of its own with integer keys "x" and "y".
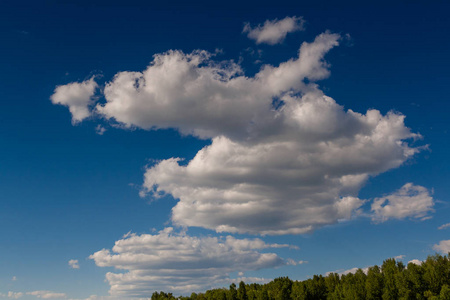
{"x": 180, "y": 263}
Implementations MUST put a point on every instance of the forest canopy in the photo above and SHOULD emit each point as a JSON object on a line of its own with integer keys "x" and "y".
{"x": 393, "y": 280}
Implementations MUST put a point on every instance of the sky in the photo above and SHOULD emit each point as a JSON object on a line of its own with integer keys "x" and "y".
{"x": 185, "y": 146}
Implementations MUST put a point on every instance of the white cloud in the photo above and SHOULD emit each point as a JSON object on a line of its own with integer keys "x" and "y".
{"x": 444, "y": 226}
{"x": 292, "y": 262}
{"x": 274, "y": 31}
{"x": 95, "y": 297}
{"x": 48, "y": 295}
{"x": 39, "y": 294}
{"x": 100, "y": 130}
{"x": 443, "y": 247}
{"x": 415, "y": 261}
{"x": 249, "y": 280}
{"x": 196, "y": 95}
{"x": 366, "y": 269}
{"x": 77, "y": 96}
{"x": 284, "y": 184}
{"x": 410, "y": 201}
{"x": 269, "y": 170}
{"x": 353, "y": 271}
{"x": 14, "y": 278}
{"x": 73, "y": 263}
{"x": 180, "y": 263}
{"x": 345, "y": 272}
{"x": 14, "y": 295}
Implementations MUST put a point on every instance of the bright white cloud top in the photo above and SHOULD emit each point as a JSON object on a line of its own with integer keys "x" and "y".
{"x": 273, "y": 31}
{"x": 180, "y": 263}
{"x": 270, "y": 169}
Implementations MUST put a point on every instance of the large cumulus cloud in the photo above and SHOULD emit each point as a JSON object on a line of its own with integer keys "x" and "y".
{"x": 282, "y": 168}
{"x": 289, "y": 185}
{"x": 196, "y": 95}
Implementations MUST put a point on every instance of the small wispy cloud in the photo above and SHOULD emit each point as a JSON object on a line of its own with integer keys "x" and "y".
{"x": 100, "y": 130}
{"x": 292, "y": 262}
{"x": 14, "y": 295}
{"x": 444, "y": 226}
{"x": 23, "y": 32}
{"x": 47, "y": 295}
{"x": 73, "y": 263}
{"x": 77, "y": 96}
{"x": 273, "y": 31}
{"x": 410, "y": 201}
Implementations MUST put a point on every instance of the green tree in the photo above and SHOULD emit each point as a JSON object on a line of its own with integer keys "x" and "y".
{"x": 242, "y": 291}
{"x": 298, "y": 291}
{"x": 280, "y": 288}
{"x": 193, "y": 296}
{"x": 348, "y": 290}
{"x": 332, "y": 281}
{"x": 374, "y": 283}
{"x": 428, "y": 281}
{"x": 390, "y": 269}
{"x": 263, "y": 295}
{"x": 436, "y": 272}
{"x": 316, "y": 288}
{"x": 445, "y": 293}
{"x": 232, "y": 293}
{"x": 253, "y": 290}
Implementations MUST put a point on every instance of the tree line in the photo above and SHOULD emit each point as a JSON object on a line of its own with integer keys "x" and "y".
{"x": 392, "y": 281}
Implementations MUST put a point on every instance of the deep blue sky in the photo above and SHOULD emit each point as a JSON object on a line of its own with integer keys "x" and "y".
{"x": 67, "y": 192}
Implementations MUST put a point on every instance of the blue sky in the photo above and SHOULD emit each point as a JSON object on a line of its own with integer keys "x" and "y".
{"x": 313, "y": 138}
